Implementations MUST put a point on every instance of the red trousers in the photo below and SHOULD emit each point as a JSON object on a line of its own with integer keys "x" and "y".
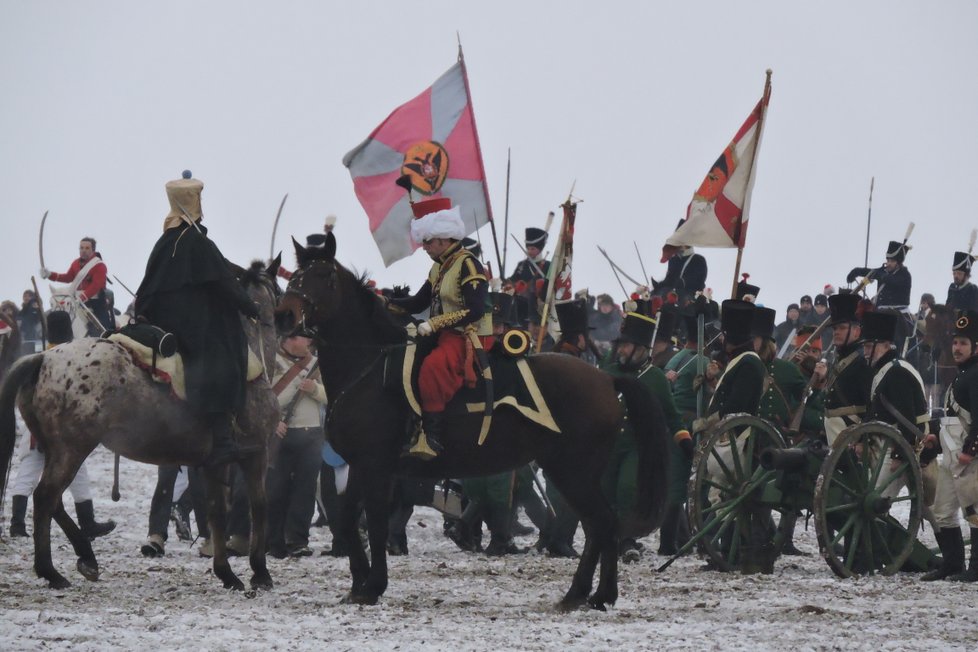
{"x": 442, "y": 370}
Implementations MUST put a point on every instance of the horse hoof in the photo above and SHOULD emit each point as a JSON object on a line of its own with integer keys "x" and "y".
{"x": 360, "y": 598}
{"x": 58, "y": 583}
{"x": 234, "y": 584}
{"x": 89, "y": 570}
{"x": 262, "y": 582}
{"x": 597, "y": 604}
{"x": 571, "y": 604}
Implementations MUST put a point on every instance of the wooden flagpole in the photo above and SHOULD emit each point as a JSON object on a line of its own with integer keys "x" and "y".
{"x": 757, "y": 141}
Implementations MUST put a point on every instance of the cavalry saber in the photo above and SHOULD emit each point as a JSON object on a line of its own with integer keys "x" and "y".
{"x": 40, "y": 240}
{"x": 645, "y": 274}
{"x": 278, "y": 215}
{"x": 615, "y": 266}
{"x": 543, "y": 491}
{"x": 124, "y": 286}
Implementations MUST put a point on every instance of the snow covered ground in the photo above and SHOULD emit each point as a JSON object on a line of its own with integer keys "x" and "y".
{"x": 441, "y": 598}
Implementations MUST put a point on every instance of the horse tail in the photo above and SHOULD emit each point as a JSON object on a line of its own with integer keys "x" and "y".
{"x": 649, "y": 428}
{"x": 23, "y": 374}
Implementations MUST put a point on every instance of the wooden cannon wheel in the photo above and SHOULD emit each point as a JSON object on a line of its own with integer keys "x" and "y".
{"x": 725, "y": 485}
{"x": 868, "y": 501}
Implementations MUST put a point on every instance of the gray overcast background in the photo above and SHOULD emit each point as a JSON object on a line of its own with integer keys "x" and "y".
{"x": 103, "y": 102}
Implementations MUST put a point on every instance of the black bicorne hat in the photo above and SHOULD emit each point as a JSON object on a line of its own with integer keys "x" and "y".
{"x": 473, "y": 246}
{"x": 844, "y": 308}
{"x": 572, "y": 316}
{"x": 502, "y": 308}
{"x": 963, "y": 262}
{"x": 59, "y": 327}
{"x": 736, "y": 317}
{"x": 762, "y": 323}
{"x": 879, "y": 326}
{"x": 966, "y": 325}
{"x": 637, "y": 329}
{"x": 897, "y": 250}
{"x": 536, "y": 237}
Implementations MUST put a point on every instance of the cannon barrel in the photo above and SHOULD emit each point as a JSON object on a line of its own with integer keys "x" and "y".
{"x": 788, "y": 459}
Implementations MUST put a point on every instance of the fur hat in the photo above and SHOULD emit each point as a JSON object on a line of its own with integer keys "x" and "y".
{"x": 962, "y": 262}
{"x": 897, "y": 250}
{"x": 436, "y": 218}
{"x": 572, "y": 316}
{"x": 745, "y": 290}
{"x": 844, "y": 308}
{"x": 762, "y": 323}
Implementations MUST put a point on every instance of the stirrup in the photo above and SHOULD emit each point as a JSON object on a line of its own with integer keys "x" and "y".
{"x": 421, "y": 449}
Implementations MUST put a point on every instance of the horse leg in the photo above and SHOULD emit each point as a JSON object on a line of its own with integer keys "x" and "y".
{"x": 377, "y": 499}
{"x": 216, "y": 520}
{"x": 59, "y": 468}
{"x": 349, "y": 519}
{"x": 253, "y": 467}
{"x": 599, "y": 524}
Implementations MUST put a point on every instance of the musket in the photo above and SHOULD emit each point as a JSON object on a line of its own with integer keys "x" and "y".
{"x": 615, "y": 266}
{"x": 815, "y": 333}
{"x": 693, "y": 359}
{"x": 40, "y": 308}
{"x": 536, "y": 268}
{"x": 40, "y": 240}
{"x": 641, "y": 264}
{"x": 278, "y": 215}
{"x": 124, "y": 286}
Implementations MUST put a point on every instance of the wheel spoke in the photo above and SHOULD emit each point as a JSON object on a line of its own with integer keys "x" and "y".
{"x": 724, "y": 525}
{"x": 735, "y": 542}
{"x": 839, "y": 508}
{"x": 720, "y": 504}
{"x": 849, "y": 490}
{"x": 853, "y": 545}
{"x": 868, "y": 545}
{"x": 877, "y": 530}
{"x": 901, "y": 499}
{"x": 845, "y": 528}
{"x": 735, "y": 455}
{"x": 896, "y": 475}
{"x": 878, "y": 467}
{"x": 723, "y": 465}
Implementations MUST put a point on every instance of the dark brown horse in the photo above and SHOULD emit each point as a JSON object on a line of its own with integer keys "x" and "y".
{"x": 936, "y": 366}
{"x": 367, "y": 426}
{"x": 88, "y": 392}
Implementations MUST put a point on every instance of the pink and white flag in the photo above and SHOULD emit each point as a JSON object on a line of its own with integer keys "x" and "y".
{"x": 432, "y": 139}
{"x": 717, "y": 216}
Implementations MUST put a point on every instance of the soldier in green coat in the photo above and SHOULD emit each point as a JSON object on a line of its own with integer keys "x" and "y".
{"x": 632, "y": 358}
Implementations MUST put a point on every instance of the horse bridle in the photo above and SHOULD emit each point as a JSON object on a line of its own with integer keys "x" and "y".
{"x": 297, "y": 287}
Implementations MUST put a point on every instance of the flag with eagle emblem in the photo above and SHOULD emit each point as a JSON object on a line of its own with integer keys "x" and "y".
{"x": 717, "y": 215}
{"x": 433, "y": 140}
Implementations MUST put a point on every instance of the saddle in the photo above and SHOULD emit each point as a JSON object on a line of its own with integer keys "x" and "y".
{"x": 168, "y": 370}
{"x": 514, "y": 386}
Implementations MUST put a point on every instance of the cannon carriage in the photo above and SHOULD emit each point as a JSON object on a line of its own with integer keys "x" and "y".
{"x": 865, "y": 493}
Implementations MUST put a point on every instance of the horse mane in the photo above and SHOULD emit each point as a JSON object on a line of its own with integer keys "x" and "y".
{"x": 254, "y": 275}
{"x": 387, "y": 326}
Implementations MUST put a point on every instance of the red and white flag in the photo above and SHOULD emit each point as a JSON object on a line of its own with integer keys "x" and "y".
{"x": 562, "y": 265}
{"x": 717, "y": 215}
{"x": 432, "y": 139}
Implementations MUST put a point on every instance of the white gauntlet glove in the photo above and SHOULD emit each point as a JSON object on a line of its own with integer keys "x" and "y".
{"x": 424, "y": 328}
{"x": 45, "y": 273}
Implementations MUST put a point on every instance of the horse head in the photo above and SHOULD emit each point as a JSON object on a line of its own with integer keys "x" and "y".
{"x": 323, "y": 295}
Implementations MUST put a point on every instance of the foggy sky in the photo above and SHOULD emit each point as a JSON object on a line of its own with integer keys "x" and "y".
{"x": 106, "y": 101}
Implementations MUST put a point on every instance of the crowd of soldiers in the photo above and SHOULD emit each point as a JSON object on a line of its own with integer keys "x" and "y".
{"x": 832, "y": 362}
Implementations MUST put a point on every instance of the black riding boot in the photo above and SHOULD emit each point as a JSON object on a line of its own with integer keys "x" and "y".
{"x": 970, "y": 575}
{"x": 668, "y": 530}
{"x": 224, "y": 449}
{"x": 501, "y": 540}
{"x": 466, "y": 532}
{"x": 952, "y": 555}
{"x": 85, "y": 511}
{"x": 18, "y": 514}
{"x": 433, "y": 426}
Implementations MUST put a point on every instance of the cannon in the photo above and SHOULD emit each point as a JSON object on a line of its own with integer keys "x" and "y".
{"x": 865, "y": 492}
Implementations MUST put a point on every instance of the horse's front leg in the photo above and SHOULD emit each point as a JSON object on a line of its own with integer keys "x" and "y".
{"x": 377, "y": 501}
{"x": 87, "y": 564}
{"x": 349, "y": 526}
{"x": 253, "y": 468}
{"x": 47, "y": 500}
{"x": 216, "y": 520}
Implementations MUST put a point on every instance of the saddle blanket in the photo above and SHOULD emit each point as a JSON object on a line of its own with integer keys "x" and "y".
{"x": 513, "y": 385}
{"x": 169, "y": 371}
